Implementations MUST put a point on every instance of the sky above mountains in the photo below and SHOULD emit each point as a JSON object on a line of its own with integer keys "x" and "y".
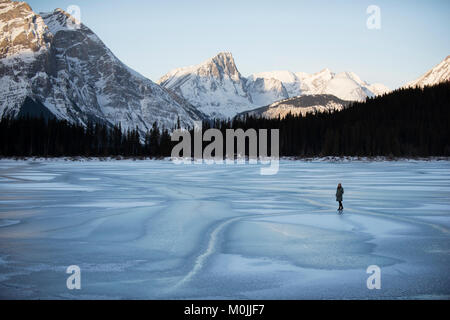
{"x": 156, "y": 36}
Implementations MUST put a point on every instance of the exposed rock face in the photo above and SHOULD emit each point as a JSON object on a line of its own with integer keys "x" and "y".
{"x": 75, "y": 76}
{"x": 20, "y": 29}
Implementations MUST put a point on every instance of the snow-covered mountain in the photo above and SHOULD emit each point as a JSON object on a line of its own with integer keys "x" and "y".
{"x": 71, "y": 73}
{"x": 300, "y": 105}
{"x": 218, "y": 89}
{"x": 344, "y": 85}
{"x": 215, "y": 86}
{"x": 439, "y": 73}
{"x": 266, "y": 90}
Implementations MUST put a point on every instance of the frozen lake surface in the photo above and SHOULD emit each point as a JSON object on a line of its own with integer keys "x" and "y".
{"x": 156, "y": 230}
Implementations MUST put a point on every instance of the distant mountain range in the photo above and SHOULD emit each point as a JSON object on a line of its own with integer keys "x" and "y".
{"x": 49, "y": 67}
{"x": 218, "y": 89}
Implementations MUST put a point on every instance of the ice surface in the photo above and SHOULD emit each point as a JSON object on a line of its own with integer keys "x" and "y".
{"x": 157, "y": 230}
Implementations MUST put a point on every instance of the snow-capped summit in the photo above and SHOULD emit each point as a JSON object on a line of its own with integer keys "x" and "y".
{"x": 438, "y": 74}
{"x": 220, "y": 66}
{"x": 69, "y": 72}
{"x": 59, "y": 20}
{"x": 214, "y": 86}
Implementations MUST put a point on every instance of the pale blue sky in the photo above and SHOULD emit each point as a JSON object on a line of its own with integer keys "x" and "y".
{"x": 155, "y": 36}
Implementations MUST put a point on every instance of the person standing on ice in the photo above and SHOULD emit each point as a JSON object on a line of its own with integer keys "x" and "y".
{"x": 339, "y": 194}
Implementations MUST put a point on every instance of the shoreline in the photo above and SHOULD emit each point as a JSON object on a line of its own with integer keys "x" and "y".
{"x": 290, "y": 158}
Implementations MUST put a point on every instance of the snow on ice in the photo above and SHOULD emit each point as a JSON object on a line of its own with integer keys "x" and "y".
{"x": 156, "y": 230}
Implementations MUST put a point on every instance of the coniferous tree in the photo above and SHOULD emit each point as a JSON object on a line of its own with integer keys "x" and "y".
{"x": 154, "y": 141}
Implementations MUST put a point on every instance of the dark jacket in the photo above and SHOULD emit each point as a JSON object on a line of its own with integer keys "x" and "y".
{"x": 339, "y": 193}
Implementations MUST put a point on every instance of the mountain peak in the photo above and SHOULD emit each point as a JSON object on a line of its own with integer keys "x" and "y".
{"x": 21, "y": 30}
{"x": 439, "y": 73}
{"x": 59, "y": 19}
{"x": 224, "y": 55}
{"x": 14, "y": 3}
{"x": 221, "y": 65}
{"x": 215, "y": 86}
{"x": 325, "y": 72}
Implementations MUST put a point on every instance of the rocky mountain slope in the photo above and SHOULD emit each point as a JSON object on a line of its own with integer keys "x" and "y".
{"x": 300, "y": 105}
{"x": 70, "y": 72}
{"x": 438, "y": 74}
{"x": 215, "y": 86}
